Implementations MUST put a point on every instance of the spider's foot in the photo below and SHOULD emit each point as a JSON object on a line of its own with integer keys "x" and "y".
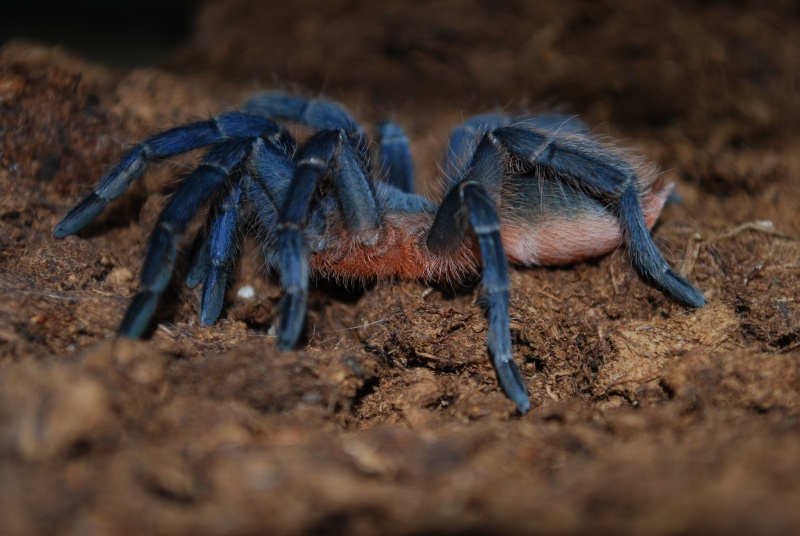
{"x": 138, "y": 315}
{"x": 513, "y": 384}
{"x": 680, "y": 289}
{"x": 213, "y": 296}
{"x": 79, "y": 216}
{"x": 199, "y": 267}
{"x": 293, "y": 312}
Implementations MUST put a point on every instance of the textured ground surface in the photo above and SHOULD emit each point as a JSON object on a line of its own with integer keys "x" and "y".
{"x": 648, "y": 418}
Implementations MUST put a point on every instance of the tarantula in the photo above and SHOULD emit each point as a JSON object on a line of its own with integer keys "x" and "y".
{"x": 533, "y": 191}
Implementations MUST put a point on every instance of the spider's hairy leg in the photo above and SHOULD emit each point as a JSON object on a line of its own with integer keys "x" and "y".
{"x": 264, "y": 184}
{"x": 580, "y": 162}
{"x": 608, "y": 178}
{"x": 271, "y": 172}
{"x": 646, "y": 256}
{"x": 495, "y": 283}
{"x": 217, "y": 255}
{"x": 192, "y": 194}
{"x": 333, "y": 151}
{"x": 464, "y": 139}
{"x": 317, "y": 114}
{"x": 395, "y": 155}
{"x": 169, "y": 143}
{"x": 471, "y": 196}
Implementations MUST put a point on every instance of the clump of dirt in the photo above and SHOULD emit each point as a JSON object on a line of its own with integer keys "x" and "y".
{"x": 647, "y": 417}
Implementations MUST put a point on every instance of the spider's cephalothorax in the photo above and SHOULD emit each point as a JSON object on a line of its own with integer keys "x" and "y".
{"x": 533, "y": 191}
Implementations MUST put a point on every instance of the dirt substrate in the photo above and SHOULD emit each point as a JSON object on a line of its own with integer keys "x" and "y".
{"x": 647, "y": 418}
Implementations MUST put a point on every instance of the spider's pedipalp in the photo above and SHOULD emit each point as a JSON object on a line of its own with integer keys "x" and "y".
{"x": 199, "y": 266}
{"x": 162, "y": 248}
{"x": 395, "y": 155}
{"x": 356, "y": 196}
{"x": 270, "y": 174}
{"x": 263, "y": 183}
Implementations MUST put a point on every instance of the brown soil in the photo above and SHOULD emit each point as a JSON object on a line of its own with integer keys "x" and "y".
{"x": 648, "y": 418}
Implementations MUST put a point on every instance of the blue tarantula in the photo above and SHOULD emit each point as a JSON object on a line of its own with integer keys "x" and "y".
{"x": 533, "y": 191}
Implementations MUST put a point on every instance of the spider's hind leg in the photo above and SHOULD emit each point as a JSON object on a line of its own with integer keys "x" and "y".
{"x": 583, "y": 164}
{"x": 646, "y": 256}
{"x": 471, "y": 198}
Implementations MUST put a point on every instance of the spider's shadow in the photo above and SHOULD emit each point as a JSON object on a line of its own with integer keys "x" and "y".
{"x": 327, "y": 290}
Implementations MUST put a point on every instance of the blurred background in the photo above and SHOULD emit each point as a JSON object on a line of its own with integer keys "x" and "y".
{"x": 705, "y": 87}
{"x": 646, "y": 63}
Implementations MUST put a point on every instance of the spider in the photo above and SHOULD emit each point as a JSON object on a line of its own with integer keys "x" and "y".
{"x": 533, "y": 191}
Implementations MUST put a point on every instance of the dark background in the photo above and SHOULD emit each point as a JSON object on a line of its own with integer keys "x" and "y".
{"x": 122, "y": 33}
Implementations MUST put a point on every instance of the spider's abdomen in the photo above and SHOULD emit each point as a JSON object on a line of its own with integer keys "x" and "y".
{"x": 547, "y": 222}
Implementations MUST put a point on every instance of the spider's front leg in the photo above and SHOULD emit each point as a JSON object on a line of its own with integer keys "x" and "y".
{"x": 232, "y": 137}
{"x": 162, "y": 248}
{"x": 169, "y": 143}
{"x": 262, "y": 184}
